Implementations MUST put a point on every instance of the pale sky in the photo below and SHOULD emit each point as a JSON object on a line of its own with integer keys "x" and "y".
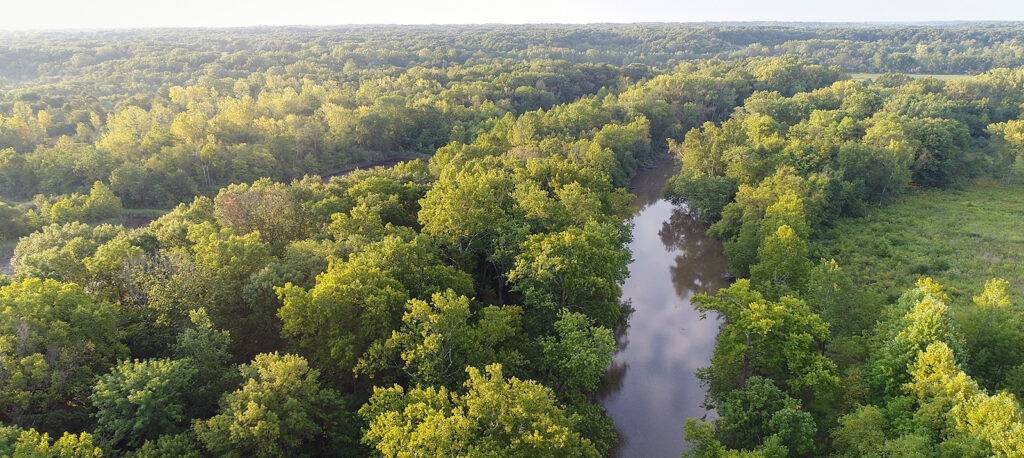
{"x": 61, "y": 14}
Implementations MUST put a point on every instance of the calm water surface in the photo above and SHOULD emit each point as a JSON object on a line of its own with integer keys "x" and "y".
{"x": 654, "y": 387}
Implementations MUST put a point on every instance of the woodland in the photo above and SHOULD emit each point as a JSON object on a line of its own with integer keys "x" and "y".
{"x": 464, "y": 301}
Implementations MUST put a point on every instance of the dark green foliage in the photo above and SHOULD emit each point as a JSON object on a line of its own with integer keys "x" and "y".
{"x": 753, "y": 413}
{"x": 142, "y": 400}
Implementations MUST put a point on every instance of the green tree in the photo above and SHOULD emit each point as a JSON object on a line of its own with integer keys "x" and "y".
{"x": 861, "y": 433}
{"x": 783, "y": 267}
{"x": 101, "y": 203}
{"x": 781, "y": 341}
{"x": 56, "y": 339}
{"x": 142, "y": 400}
{"x": 59, "y": 251}
{"x": 1010, "y": 150}
{"x": 439, "y": 339}
{"x": 749, "y": 416}
{"x": 362, "y": 305}
{"x": 496, "y": 417}
{"x": 579, "y": 269}
{"x": 207, "y": 349}
{"x": 31, "y": 443}
{"x": 575, "y": 358}
{"x": 280, "y": 409}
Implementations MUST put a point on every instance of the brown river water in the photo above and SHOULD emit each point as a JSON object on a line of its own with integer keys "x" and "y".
{"x": 654, "y": 386}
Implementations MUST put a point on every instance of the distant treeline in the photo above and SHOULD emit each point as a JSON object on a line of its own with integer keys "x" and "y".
{"x": 142, "y": 61}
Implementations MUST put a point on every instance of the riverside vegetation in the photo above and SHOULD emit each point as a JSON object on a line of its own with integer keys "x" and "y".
{"x": 465, "y": 305}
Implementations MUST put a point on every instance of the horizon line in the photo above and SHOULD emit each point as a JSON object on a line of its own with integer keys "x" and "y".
{"x": 795, "y": 23}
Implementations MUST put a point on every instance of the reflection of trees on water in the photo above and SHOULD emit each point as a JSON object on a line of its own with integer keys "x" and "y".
{"x": 648, "y": 184}
{"x": 617, "y": 371}
{"x": 700, "y": 266}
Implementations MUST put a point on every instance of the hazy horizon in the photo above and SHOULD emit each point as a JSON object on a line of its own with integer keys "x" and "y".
{"x": 127, "y": 14}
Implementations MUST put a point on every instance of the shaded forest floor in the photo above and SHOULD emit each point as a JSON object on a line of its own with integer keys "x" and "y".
{"x": 6, "y": 251}
{"x": 960, "y": 238}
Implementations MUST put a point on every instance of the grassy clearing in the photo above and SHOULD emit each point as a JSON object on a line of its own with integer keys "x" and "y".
{"x": 961, "y": 238}
{"x": 867, "y": 76}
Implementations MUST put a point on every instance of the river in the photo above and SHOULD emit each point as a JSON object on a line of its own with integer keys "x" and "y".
{"x": 654, "y": 386}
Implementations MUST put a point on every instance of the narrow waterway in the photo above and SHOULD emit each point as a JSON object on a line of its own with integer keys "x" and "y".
{"x": 654, "y": 385}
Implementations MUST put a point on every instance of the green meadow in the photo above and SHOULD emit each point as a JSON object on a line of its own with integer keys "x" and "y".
{"x": 960, "y": 238}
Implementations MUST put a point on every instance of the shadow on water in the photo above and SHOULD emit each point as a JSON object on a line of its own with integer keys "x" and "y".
{"x": 653, "y": 386}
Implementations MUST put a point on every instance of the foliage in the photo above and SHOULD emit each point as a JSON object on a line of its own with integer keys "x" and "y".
{"x": 774, "y": 340}
{"x": 142, "y": 400}
{"x": 579, "y": 269}
{"x": 497, "y": 416}
{"x": 280, "y": 409}
{"x": 57, "y": 339}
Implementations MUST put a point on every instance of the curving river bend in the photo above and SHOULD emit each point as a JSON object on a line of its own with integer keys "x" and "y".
{"x": 654, "y": 387}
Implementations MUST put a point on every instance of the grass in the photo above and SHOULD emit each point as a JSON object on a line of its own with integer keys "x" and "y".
{"x": 867, "y": 76}
{"x": 961, "y": 238}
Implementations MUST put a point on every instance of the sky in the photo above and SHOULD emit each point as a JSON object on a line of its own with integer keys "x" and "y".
{"x": 101, "y": 14}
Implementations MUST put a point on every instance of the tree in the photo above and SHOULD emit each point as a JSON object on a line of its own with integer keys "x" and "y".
{"x": 205, "y": 348}
{"x": 14, "y": 223}
{"x": 927, "y": 320}
{"x": 749, "y": 416}
{"x": 106, "y": 266}
{"x": 496, "y": 417}
{"x": 101, "y": 203}
{"x": 579, "y": 269}
{"x": 861, "y": 433}
{"x": 264, "y": 207}
{"x": 58, "y": 251}
{"x": 575, "y": 358}
{"x": 783, "y": 267}
{"x": 142, "y": 400}
{"x": 56, "y": 340}
{"x": 31, "y": 443}
{"x": 466, "y": 209}
{"x": 781, "y": 341}
{"x": 440, "y": 338}
{"x": 222, "y": 265}
{"x": 469, "y": 212}
{"x": 1010, "y": 150}
{"x": 279, "y": 410}
{"x": 704, "y": 196}
{"x": 995, "y": 294}
{"x": 703, "y": 150}
{"x": 362, "y": 305}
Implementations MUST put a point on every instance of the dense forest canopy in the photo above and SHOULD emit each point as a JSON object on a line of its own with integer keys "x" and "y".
{"x": 463, "y": 302}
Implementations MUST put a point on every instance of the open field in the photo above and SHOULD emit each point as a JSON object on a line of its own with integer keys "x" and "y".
{"x": 961, "y": 238}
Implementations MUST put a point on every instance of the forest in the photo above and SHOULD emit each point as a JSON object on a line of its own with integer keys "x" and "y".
{"x": 290, "y": 298}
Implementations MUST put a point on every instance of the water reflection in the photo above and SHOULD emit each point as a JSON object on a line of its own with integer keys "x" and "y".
{"x": 653, "y": 383}
{"x": 699, "y": 265}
